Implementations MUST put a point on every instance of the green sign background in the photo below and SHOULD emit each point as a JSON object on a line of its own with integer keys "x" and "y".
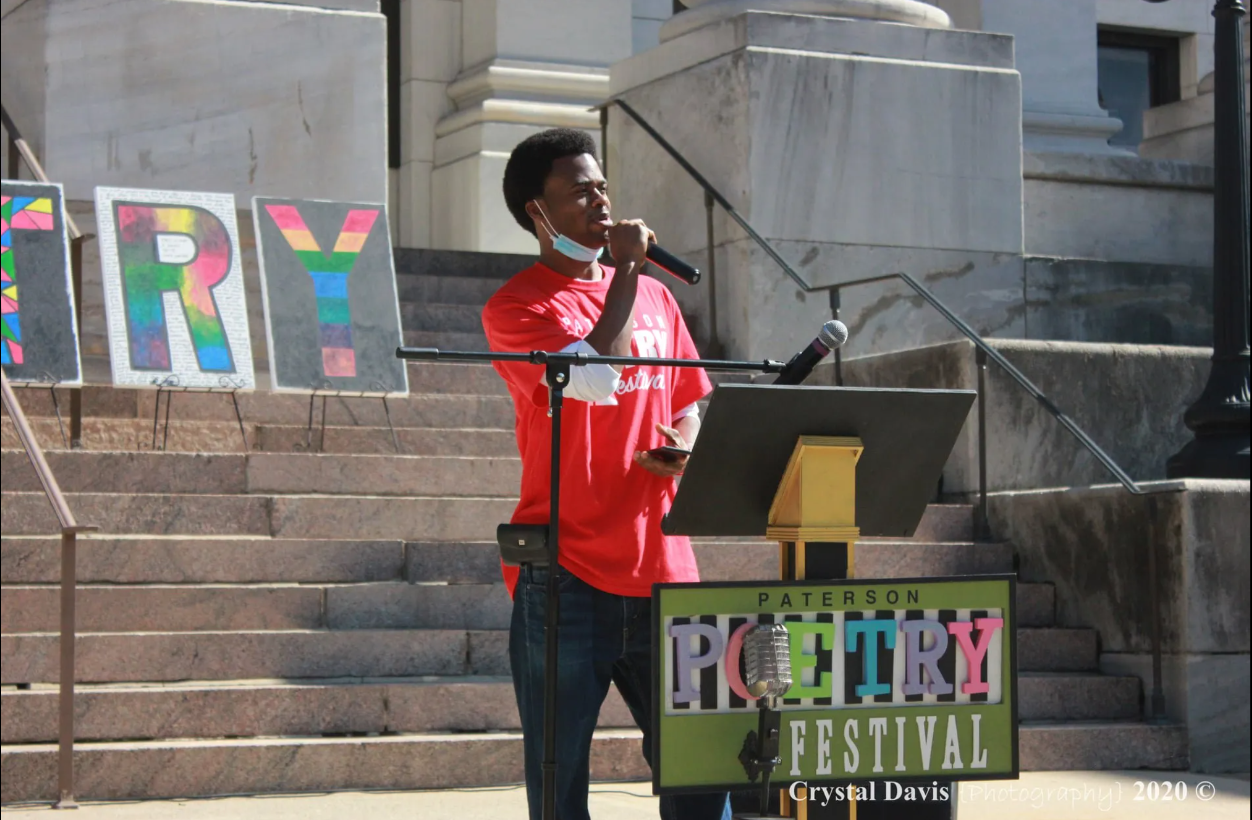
{"x": 699, "y": 752}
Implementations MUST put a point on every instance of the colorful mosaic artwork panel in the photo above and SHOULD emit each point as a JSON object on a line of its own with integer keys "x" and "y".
{"x": 16, "y": 213}
{"x": 330, "y": 279}
{"x": 152, "y": 267}
{"x": 332, "y": 316}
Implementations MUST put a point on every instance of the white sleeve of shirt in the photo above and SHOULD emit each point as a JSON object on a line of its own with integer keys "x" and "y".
{"x": 594, "y": 383}
{"x": 692, "y": 410}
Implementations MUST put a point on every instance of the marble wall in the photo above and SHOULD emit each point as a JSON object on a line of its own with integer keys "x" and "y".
{"x": 218, "y": 95}
{"x": 841, "y": 141}
{"x": 1136, "y": 421}
{"x": 1092, "y": 543}
{"x": 1118, "y": 208}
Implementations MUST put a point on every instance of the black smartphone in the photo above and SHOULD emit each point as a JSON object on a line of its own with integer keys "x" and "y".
{"x": 668, "y": 453}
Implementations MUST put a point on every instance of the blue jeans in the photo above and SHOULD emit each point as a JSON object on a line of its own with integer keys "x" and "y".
{"x": 603, "y": 638}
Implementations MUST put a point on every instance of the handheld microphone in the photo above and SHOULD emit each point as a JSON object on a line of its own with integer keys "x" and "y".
{"x": 671, "y": 264}
{"x": 767, "y": 660}
{"x": 833, "y": 334}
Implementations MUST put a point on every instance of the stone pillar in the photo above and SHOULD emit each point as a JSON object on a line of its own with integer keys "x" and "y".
{"x": 701, "y": 13}
{"x": 1055, "y": 46}
{"x": 430, "y": 58}
{"x": 250, "y": 98}
{"x": 1183, "y": 130}
{"x": 854, "y": 146}
{"x": 526, "y": 65}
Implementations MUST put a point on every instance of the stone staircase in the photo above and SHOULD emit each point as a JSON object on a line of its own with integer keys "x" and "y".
{"x": 292, "y": 620}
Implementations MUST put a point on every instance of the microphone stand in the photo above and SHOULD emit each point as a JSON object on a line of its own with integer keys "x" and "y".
{"x": 759, "y": 754}
{"x": 558, "y": 372}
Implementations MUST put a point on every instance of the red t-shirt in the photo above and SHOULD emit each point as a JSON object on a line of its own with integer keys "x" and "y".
{"x": 611, "y": 508}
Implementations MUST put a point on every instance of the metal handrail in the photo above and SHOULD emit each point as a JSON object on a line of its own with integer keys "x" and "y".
{"x": 981, "y": 344}
{"x": 23, "y": 149}
{"x": 70, "y": 528}
{"x": 35, "y": 453}
{"x": 65, "y": 516}
{"x": 714, "y": 193}
{"x": 1005, "y": 365}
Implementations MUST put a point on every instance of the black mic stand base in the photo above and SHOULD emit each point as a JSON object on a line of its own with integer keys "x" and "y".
{"x": 759, "y": 756}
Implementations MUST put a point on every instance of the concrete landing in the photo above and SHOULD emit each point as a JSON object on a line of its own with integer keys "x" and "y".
{"x": 1037, "y": 796}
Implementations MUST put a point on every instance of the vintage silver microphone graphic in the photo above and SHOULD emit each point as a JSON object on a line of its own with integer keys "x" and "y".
{"x": 767, "y": 667}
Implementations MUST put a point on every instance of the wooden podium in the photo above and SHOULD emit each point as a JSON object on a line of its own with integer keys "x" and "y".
{"x": 814, "y": 469}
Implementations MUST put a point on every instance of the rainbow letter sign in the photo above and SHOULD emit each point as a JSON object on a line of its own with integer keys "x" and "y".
{"x": 907, "y": 680}
{"x": 329, "y": 285}
{"x": 174, "y": 291}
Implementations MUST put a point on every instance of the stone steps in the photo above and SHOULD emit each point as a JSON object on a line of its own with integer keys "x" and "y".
{"x": 107, "y": 401}
{"x": 267, "y": 473}
{"x": 135, "y": 435}
{"x": 202, "y": 560}
{"x": 162, "y": 559}
{"x": 468, "y": 265}
{"x": 447, "y": 378}
{"x": 285, "y": 516}
{"x": 944, "y": 523}
{"x": 447, "y": 290}
{"x": 447, "y": 340}
{"x": 378, "y": 441}
{"x": 276, "y": 708}
{"x": 434, "y": 518}
{"x": 477, "y": 562}
{"x": 1102, "y": 746}
{"x": 1057, "y": 649}
{"x": 107, "y": 657}
{"x": 442, "y": 317}
{"x": 173, "y": 768}
{"x": 493, "y": 411}
{"x": 139, "y": 657}
{"x": 221, "y": 607}
{"x": 273, "y": 708}
{"x": 172, "y": 559}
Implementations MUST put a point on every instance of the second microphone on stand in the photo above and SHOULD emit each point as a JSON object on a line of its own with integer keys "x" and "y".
{"x": 833, "y": 334}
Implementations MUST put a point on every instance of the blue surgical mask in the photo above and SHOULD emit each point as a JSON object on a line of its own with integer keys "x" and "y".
{"x": 565, "y": 246}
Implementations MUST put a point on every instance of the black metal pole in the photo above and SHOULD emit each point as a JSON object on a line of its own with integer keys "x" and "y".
{"x": 836, "y": 302}
{"x": 604, "y": 142}
{"x": 715, "y": 343}
{"x": 983, "y": 529}
{"x": 1219, "y": 417}
{"x": 1157, "y": 699}
{"x": 558, "y": 378}
{"x": 431, "y": 354}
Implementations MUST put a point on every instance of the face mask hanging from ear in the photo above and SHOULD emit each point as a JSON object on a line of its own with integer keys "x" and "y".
{"x": 565, "y": 246}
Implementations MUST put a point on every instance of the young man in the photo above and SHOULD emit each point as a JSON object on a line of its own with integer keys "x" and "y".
{"x": 613, "y": 494}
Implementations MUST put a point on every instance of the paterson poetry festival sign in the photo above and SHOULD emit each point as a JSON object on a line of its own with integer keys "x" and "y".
{"x": 909, "y": 680}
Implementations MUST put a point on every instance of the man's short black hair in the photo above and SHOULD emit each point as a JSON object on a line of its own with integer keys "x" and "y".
{"x": 531, "y": 162}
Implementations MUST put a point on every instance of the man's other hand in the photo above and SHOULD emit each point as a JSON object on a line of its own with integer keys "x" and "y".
{"x": 663, "y": 468}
